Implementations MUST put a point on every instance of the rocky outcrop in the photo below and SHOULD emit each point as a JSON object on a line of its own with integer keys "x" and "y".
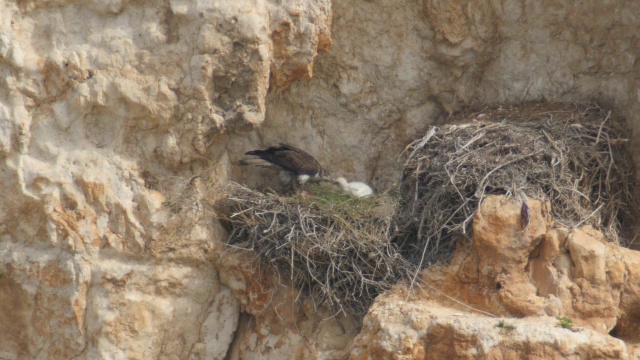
{"x": 397, "y": 328}
{"x": 539, "y": 270}
{"x": 503, "y": 293}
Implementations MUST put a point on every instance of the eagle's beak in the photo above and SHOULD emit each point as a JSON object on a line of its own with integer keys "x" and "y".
{"x": 327, "y": 178}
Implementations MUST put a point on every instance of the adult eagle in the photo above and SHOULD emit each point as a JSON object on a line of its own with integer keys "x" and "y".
{"x": 291, "y": 161}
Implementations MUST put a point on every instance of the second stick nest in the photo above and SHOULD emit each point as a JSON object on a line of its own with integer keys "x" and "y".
{"x": 571, "y": 155}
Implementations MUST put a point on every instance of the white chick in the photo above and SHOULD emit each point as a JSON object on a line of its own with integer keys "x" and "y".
{"x": 355, "y": 188}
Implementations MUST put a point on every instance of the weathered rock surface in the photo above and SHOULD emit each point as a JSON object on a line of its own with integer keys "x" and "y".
{"x": 529, "y": 276}
{"x": 102, "y": 100}
{"x": 397, "y": 328}
{"x": 539, "y": 270}
{"x": 99, "y": 100}
{"x": 276, "y": 325}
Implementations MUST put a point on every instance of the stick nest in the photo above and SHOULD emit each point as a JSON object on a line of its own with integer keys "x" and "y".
{"x": 334, "y": 247}
{"x": 571, "y": 155}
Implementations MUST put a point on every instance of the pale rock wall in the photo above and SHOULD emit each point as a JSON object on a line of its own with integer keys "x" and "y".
{"x": 100, "y": 99}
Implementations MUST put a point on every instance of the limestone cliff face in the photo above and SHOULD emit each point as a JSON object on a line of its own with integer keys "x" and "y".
{"x": 99, "y": 99}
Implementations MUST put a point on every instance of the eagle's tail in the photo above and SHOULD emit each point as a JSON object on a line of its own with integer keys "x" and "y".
{"x": 255, "y": 152}
{"x": 256, "y": 162}
{"x": 270, "y": 151}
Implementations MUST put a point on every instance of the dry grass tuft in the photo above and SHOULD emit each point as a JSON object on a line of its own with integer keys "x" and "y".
{"x": 572, "y": 155}
{"x": 334, "y": 247}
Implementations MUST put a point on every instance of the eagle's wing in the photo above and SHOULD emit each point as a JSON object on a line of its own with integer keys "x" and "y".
{"x": 289, "y": 158}
{"x": 296, "y": 160}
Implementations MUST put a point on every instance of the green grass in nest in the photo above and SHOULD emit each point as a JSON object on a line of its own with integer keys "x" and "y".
{"x": 332, "y": 198}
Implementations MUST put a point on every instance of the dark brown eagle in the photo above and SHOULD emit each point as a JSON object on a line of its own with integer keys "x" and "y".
{"x": 293, "y": 163}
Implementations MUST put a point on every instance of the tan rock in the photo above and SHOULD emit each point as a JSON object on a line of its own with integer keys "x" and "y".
{"x": 628, "y": 326}
{"x": 396, "y": 328}
{"x": 94, "y": 95}
{"x": 44, "y": 298}
{"x": 499, "y": 238}
{"x": 279, "y": 322}
{"x": 588, "y": 256}
{"x": 539, "y": 271}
